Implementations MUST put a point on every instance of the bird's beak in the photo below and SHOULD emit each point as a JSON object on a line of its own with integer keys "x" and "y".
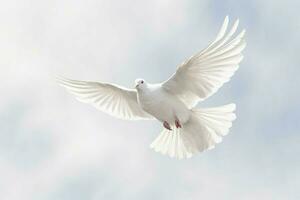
{"x": 136, "y": 85}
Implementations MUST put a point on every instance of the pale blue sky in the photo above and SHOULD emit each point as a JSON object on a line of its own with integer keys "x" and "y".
{"x": 55, "y": 148}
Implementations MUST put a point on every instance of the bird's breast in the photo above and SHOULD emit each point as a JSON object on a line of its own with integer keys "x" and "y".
{"x": 163, "y": 106}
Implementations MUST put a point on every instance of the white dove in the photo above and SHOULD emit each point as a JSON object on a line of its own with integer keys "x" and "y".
{"x": 187, "y": 129}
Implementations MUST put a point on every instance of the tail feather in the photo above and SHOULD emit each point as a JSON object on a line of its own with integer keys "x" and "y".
{"x": 205, "y": 128}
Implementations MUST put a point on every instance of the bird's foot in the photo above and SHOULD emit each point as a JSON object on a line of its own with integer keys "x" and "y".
{"x": 177, "y": 123}
{"x": 167, "y": 125}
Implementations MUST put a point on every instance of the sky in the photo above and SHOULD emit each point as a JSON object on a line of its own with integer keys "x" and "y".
{"x": 53, "y": 147}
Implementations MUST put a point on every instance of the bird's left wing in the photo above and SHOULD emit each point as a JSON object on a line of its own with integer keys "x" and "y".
{"x": 204, "y": 73}
{"x": 115, "y": 100}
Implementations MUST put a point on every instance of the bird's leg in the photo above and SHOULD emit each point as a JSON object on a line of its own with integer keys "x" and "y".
{"x": 167, "y": 125}
{"x": 177, "y": 123}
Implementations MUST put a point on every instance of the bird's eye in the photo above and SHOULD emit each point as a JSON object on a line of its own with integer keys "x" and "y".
{"x": 142, "y": 82}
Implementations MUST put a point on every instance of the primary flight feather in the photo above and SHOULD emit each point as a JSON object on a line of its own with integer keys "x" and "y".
{"x": 187, "y": 130}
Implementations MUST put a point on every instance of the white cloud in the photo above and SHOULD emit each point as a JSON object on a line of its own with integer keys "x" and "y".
{"x": 53, "y": 147}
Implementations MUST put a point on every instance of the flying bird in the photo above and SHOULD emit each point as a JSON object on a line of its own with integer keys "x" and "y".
{"x": 186, "y": 129}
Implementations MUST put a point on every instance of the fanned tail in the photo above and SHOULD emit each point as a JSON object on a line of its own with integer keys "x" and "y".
{"x": 203, "y": 131}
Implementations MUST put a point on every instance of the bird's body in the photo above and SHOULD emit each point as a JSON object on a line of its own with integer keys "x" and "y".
{"x": 187, "y": 129}
{"x": 162, "y": 105}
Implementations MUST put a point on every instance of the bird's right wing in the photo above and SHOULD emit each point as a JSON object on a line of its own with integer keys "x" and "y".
{"x": 112, "y": 99}
{"x": 204, "y": 73}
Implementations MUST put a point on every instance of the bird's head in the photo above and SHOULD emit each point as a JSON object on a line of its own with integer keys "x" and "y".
{"x": 140, "y": 84}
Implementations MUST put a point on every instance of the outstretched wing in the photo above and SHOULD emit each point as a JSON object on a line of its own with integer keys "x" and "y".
{"x": 204, "y": 73}
{"x": 112, "y": 99}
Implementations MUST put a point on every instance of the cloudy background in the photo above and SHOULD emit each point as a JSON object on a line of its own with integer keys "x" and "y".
{"x": 55, "y": 148}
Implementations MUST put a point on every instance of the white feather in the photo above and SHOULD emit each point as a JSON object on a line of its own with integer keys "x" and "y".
{"x": 204, "y": 73}
{"x": 115, "y": 100}
{"x": 203, "y": 131}
{"x": 174, "y": 100}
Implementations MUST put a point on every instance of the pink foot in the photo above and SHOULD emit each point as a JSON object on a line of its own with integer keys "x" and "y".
{"x": 177, "y": 123}
{"x": 167, "y": 125}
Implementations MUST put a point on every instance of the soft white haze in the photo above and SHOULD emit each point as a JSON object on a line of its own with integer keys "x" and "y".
{"x": 54, "y": 147}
